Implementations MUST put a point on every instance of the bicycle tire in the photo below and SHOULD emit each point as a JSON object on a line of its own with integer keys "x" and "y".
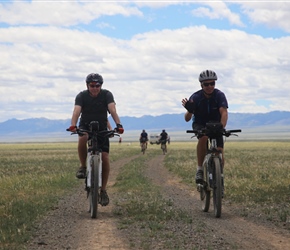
{"x": 205, "y": 198}
{"x": 163, "y": 147}
{"x": 94, "y": 189}
{"x": 143, "y": 148}
{"x": 217, "y": 190}
{"x": 205, "y": 191}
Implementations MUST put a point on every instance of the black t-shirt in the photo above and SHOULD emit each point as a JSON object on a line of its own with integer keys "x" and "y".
{"x": 94, "y": 108}
{"x": 144, "y": 135}
{"x": 163, "y": 136}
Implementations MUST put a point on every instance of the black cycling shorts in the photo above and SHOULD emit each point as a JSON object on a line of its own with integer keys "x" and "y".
{"x": 103, "y": 142}
{"x": 219, "y": 140}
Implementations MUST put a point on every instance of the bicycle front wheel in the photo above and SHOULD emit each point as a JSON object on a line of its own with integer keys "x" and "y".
{"x": 217, "y": 187}
{"x": 94, "y": 190}
{"x": 205, "y": 191}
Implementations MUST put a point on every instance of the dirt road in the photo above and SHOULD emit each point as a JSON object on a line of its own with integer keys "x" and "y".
{"x": 69, "y": 225}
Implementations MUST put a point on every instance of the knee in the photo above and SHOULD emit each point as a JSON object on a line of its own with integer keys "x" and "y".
{"x": 83, "y": 140}
{"x": 202, "y": 141}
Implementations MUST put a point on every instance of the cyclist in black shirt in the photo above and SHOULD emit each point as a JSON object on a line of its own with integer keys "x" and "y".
{"x": 93, "y": 104}
{"x": 163, "y": 137}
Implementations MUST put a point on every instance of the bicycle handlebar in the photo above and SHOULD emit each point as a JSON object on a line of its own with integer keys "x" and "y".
{"x": 205, "y": 131}
{"x": 82, "y": 132}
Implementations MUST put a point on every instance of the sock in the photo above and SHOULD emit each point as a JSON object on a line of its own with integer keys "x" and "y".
{"x": 199, "y": 168}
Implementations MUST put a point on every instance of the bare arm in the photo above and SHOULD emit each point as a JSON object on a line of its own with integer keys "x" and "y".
{"x": 113, "y": 111}
{"x": 109, "y": 125}
{"x": 224, "y": 116}
{"x": 187, "y": 116}
{"x": 76, "y": 114}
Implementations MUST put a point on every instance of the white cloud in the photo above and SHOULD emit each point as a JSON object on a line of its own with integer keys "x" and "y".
{"x": 61, "y": 13}
{"x": 43, "y": 68}
{"x": 218, "y": 10}
{"x": 274, "y": 14}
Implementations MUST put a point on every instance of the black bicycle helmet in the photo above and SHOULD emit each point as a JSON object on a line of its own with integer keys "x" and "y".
{"x": 207, "y": 75}
{"x": 94, "y": 77}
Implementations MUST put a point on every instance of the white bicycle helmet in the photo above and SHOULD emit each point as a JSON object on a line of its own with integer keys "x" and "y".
{"x": 207, "y": 75}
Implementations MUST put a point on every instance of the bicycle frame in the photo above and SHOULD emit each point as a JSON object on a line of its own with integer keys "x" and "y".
{"x": 163, "y": 146}
{"x": 94, "y": 155}
{"x": 212, "y": 152}
{"x": 143, "y": 147}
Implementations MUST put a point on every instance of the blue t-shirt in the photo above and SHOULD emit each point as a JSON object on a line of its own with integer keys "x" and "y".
{"x": 207, "y": 109}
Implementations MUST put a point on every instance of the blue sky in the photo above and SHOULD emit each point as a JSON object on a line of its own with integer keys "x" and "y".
{"x": 150, "y": 54}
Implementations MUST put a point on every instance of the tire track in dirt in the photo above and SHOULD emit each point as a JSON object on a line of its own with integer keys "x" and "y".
{"x": 228, "y": 232}
{"x": 69, "y": 225}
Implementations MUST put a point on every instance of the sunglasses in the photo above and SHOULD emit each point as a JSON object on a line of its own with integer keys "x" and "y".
{"x": 95, "y": 85}
{"x": 206, "y": 84}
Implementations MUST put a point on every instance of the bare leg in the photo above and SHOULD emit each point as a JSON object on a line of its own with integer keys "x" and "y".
{"x": 201, "y": 150}
{"x": 106, "y": 170}
{"x": 82, "y": 150}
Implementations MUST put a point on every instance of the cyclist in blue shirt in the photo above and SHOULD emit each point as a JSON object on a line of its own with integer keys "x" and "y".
{"x": 206, "y": 105}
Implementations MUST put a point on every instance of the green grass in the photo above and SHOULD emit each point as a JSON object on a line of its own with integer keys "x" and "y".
{"x": 141, "y": 206}
{"x": 256, "y": 174}
{"x": 32, "y": 178}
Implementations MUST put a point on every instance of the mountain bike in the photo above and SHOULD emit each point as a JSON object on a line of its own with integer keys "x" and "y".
{"x": 143, "y": 146}
{"x": 93, "y": 179}
{"x": 163, "y": 146}
{"x": 213, "y": 181}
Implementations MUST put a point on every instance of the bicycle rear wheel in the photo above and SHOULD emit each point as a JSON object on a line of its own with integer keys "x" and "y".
{"x": 94, "y": 189}
{"x": 143, "y": 148}
{"x": 217, "y": 188}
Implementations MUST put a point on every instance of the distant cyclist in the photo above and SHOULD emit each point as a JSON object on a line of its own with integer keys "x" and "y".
{"x": 163, "y": 138}
{"x": 144, "y": 137}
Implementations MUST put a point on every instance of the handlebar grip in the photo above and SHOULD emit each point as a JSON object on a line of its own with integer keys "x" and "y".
{"x": 192, "y": 131}
{"x": 235, "y": 131}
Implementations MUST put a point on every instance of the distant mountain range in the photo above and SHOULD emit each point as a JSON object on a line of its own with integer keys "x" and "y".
{"x": 170, "y": 122}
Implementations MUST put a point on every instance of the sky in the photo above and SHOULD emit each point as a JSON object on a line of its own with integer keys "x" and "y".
{"x": 150, "y": 54}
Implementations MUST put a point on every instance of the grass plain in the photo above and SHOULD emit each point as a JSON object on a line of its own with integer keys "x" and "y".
{"x": 34, "y": 176}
